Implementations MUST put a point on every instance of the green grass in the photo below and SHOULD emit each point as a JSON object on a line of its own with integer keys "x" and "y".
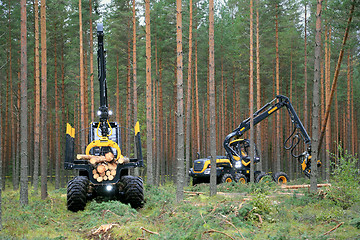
{"x": 252, "y": 211}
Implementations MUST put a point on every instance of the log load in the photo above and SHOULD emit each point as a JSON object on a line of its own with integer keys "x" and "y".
{"x": 104, "y": 167}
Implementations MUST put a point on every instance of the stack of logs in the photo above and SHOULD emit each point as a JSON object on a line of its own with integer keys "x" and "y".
{"x": 104, "y": 167}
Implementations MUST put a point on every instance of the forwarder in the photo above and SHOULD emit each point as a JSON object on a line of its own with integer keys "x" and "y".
{"x": 103, "y": 172}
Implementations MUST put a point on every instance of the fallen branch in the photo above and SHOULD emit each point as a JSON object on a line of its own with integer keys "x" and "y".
{"x": 304, "y": 186}
{"x": 194, "y": 193}
{"x": 334, "y": 228}
{"x": 148, "y": 231}
{"x": 212, "y": 231}
{"x": 259, "y": 216}
{"x": 228, "y": 222}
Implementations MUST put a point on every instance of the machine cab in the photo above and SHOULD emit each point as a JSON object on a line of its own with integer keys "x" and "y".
{"x": 242, "y": 148}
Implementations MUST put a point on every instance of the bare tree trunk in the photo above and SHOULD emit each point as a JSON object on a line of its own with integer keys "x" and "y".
{"x": 91, "y": 64}
{"x": 57, "y": 120}
{"x": 180, "y": 107}
{"x": 258, "y": 85}
{"x": 212, "y": 99}
{"x": 251, "y": 95}
{"x": 23, "y": 111}
{"x": 44, "y": 142}
{"x": 82, "y": 83}
{"x": 348, "y": 112}
{"x": 134, "y": 64}
{"x": 305, "y": 74}
{"x": 316, "y": 100}
{"x": 149, "y": 155}
{"x": 188, "y": 100}
{"x": 277, "y": 140}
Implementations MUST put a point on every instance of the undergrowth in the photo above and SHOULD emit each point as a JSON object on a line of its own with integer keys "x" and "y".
{"x": 241, "y": 211}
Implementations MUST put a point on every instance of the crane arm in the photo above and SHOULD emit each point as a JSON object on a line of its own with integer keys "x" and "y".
{"x": 268, "y": 109}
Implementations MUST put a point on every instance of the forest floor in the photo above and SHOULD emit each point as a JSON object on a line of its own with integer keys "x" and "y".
{"x": 251, "y": 211}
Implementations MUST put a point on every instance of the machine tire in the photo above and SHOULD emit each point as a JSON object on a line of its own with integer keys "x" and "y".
{"x": 76, "y": 193}
{"x": 281, "y": 178}
{"x": 133, "y": 191}
{"x": 263, "y": 177}
{"x": 226, "y": 178}
{"x": 240, "y": 178}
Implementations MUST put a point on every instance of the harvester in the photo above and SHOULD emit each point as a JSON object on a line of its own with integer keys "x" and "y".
{"x": 103, "y": 172}
{"x": 235, "y": 166}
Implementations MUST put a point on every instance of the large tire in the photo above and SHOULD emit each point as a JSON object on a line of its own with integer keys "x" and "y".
{"x": 263, "y": 177}
{"x": 281, "y": 178}
{"x": 226, "y": 178}
{"x": 133, "y": 191}
{"x": 76, "y": 193}
{"x": 240, "y": 178}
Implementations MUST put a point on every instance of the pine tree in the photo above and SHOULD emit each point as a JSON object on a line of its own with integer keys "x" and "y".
{"x": 24, "y": 110}
{"x": 44, "y": 110}
{"x": 149, "y": 135}
{"x": 180, "y": 107}
{"x": 212, "y": 99}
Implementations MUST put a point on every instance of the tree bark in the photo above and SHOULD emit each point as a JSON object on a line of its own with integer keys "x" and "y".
{"x": 258, "y": 85}
{"x": 305, "y": 73}
{"x": 134, "y": 64}
{"x": 82, "y": 83}
{"x": 180, "y": 107}
{"x": 277, "y": 140}
{"x": 212, "y": 99}
{"x": 57, "y": 120}
{"x": 188, "y": 100}
{"x": 92, "y": 64}
{"x": 316, "y": 99}
{"x": 44, "y": 142}
{"x": 23, "y": 111}
{"x": 251, "y": 95}
{"x": 149, "y": 135}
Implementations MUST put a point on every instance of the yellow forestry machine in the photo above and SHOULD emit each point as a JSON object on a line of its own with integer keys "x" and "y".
{"x": 103, "y": 172}
{"x": 235, "y": 166}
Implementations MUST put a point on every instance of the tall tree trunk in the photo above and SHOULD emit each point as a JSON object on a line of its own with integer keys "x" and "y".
{"x": 149, "y": 135}
{"x": 128, "y": 94}
{"x": 305, "y": 74}
{"x": 197, "y": 98}
{"x": 348, "y": 112}
{"x": 57, "y": 121}
{"x": 212, "y": 99}
{"x": 82, "y": 83}
{"x": 277, "y": 140}
{"x": 161, "y": 126}
{"x": 44, "y": 142}
{"x": 117, "y": 91}
{"x": 180, "y": 107}
{"x": 327, "y": 95}
{"x": 134, "y": 64}
{"x": 316, "y": 99}
{"x": 251, "y": 95}
{"x": 258, "y": 85}
{"x": 23, "y": 111}
{"x": 92, "y": 64}
{"x": 188, "y": 100}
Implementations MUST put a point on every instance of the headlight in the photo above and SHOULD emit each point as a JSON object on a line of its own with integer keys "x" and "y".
{"x": 207, "y": 171}
{"x": 238, "y": 164}
{"x": 109, "y": 188}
